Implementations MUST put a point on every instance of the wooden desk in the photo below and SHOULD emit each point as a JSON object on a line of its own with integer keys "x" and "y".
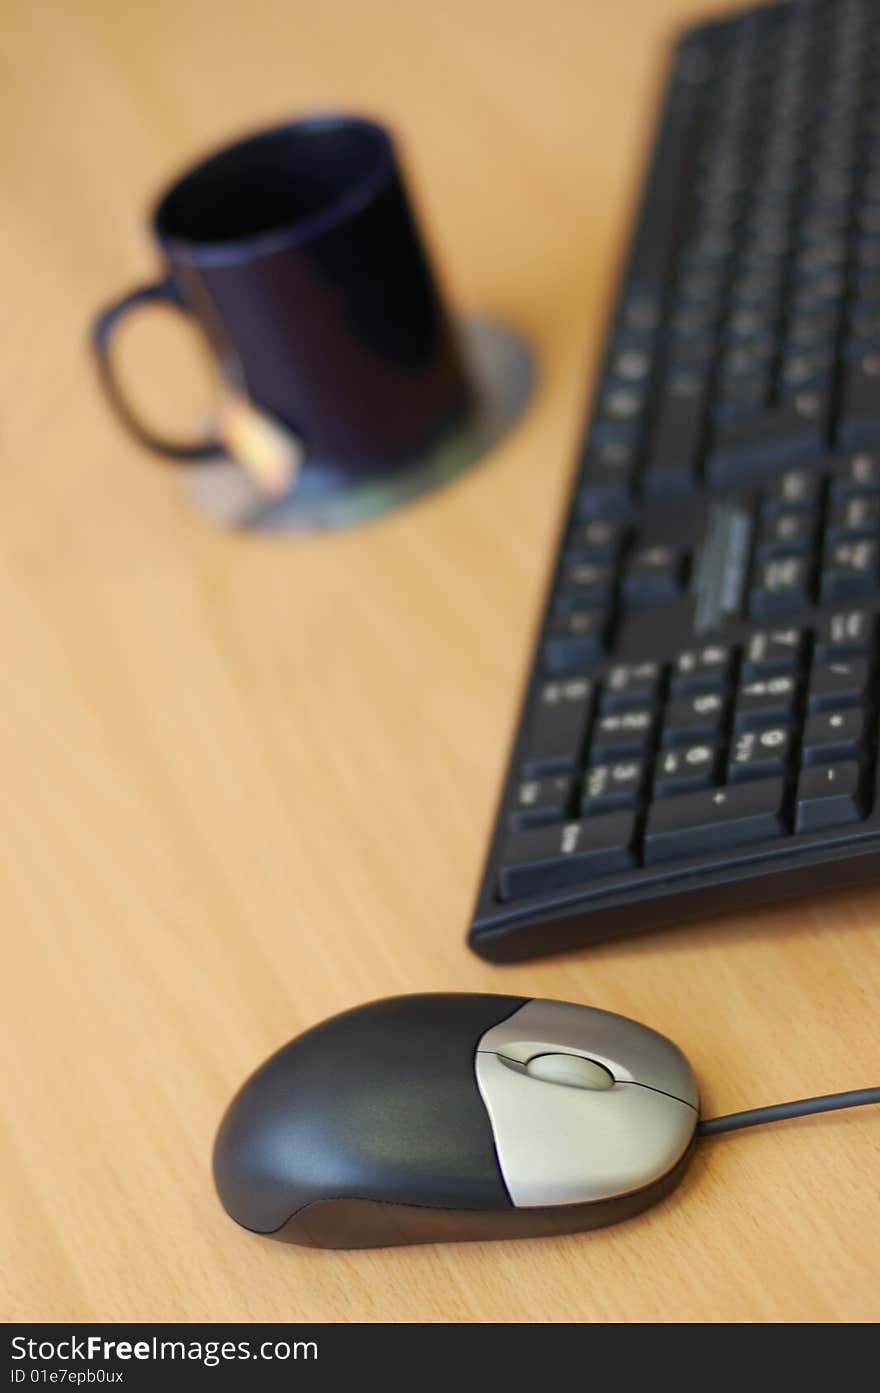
{"x": 247, "y": 783}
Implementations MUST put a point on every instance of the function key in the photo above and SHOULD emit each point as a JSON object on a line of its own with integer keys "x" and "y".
{"x": 575, "y": 641}
{"x": 611, "y": 786}
{"x": 771, "y": 651}
{"x": 859, "y": 473}
{"x": 841, "y": 683}
{"x": 544, "y": 859}
{"x": 701, "y": 669}
{"x": 622, "y": 733}
{"x": 831, "y": 735}
{"x": 652, "y": 576}
{"x": 537, "y": 801}
{"x": 829, "y": 794}
{"x": 764, "y": 701}
{"x": 848, "y": 632}
{"x": 556, "y": 726}
{"x": 850, "y": 568}
{"x": 685, "y": 770}
{"x": 696, "y": 824}
{"x": 693, "y": 717}
{"x": 759, "y": 754}
{"x": 629, "y": 684}
{"x": 780, "y": 585}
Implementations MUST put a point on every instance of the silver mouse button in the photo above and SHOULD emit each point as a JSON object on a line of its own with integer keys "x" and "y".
{"x": 583, "y": 1143}
{"x": 573, "y": 1070}
{"x": 631, "y": 1052}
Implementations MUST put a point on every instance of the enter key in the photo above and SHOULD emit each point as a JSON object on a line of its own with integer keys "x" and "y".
{"x": 714, "y": 820}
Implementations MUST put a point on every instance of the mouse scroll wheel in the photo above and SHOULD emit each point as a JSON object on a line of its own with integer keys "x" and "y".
{"x": 570, "y": 1069}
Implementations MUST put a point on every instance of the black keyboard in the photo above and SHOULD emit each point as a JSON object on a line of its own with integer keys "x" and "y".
{"x": 699, "y": 729}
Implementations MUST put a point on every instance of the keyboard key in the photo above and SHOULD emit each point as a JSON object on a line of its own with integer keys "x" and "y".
{"x": 765, "y": 701}
{"x": 791, "y": 432}
{"x": 575, "y": 641}
{"x": 859, "y": 420}
{"x": 594, "y": 541}
{"x": 851, "y": 518}
{"x": 780, "y": 585}
{"x": 556, "y": 727}
{"x": 831, "y": 735}
{"x": 652, "y": 576}
{"x": 841, "y": 683}
{"x": 742, "y": 398}
{"x": 632, "y": 365}
{"x": 850, "y": 569}
{"x": 806, "y": 369}
{"x": 684, "y": 770}
{"x": 670, "y": 466}
{"x": 759, "y": 754}
{"x": 701, "y": 669}
{"x": 621, "y": 733}
{"x": 856, "y": 474}
{"x": 558, "y": 857}
{"x": 621, "y": 402}
{"x": 697, "y": 717}
{"x": 743, "y": 364}
{"x": 640, "y": 313}
{"x": 829, "y": 794}
{"x": 607, "y": 479}
{"x": 849, "y": 632}
{"x": 586, "y": 583}
{"x": 656, "y": 237}
{"x": 610, "y": 786}
{"x": 536, "y": 801}
{"x": 797, "y": 490}
{"x": 630, "y": 684}
{"x": 696, "y": 824}
{"x": 811, "y": 328}
{"x": 786, "y": 534}
{"x": 773, "y": 651}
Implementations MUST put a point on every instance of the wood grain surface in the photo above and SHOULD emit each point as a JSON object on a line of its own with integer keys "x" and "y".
{"x": 246, "y": 783}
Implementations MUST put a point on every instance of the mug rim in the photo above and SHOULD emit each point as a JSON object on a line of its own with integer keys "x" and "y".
{"x": 235, "y": 249}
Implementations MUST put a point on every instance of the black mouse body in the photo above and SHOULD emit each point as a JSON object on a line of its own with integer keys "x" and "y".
{"x": 452, "y": 1116}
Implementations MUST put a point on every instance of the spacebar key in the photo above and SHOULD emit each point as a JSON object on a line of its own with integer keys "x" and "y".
{"x": 696, "y": 823}
{"x": 566, "y": 854}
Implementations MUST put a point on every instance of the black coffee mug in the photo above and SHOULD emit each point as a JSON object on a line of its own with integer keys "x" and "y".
{"x": 297, "y": 252}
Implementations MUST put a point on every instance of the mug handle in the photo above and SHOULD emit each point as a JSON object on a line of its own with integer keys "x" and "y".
{"x": 103, "y": 329}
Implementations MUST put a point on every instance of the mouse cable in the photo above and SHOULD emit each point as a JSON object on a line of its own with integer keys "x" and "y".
{"x": 780, "y": 1112}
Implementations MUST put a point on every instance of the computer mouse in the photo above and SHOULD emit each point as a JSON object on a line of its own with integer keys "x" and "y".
{"x": 453, "y": 1116}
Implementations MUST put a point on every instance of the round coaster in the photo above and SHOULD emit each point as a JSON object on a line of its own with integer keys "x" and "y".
{"x": 501, "y": 372}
